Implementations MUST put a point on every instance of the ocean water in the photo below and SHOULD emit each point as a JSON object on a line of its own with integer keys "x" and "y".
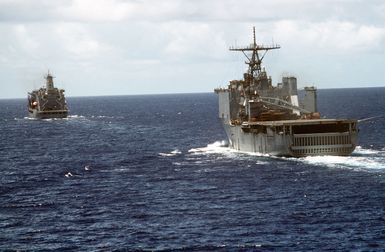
{"x": 154, "y": 172}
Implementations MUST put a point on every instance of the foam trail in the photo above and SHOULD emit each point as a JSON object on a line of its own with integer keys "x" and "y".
{"x": 103, "y": 116}
{"x": 216, "y": 147}
{"x": 171, "y": 154}
{"x": 75, "y": 116}
{"x": 26, "y": 118}
{"x": 222, "y": 147}
{"x": 361, "y": 151}
{"x": 361, "y": 159}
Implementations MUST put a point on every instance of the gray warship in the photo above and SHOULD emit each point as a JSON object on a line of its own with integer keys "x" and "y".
{"x": 47, "y": 102}
{"x": 259, "y": 117}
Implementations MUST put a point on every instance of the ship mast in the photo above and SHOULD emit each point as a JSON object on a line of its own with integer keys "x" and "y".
{"x": 255, "y": 60}
{"x": 49, "y": 81}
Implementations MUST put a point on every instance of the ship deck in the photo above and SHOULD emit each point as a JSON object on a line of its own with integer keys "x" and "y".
{"x": 299, "y": 122}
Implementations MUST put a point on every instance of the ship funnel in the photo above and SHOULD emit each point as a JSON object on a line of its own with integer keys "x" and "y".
{"x": 49, "y": 82}
{"x": 310, "y": 101}
{"x": 290, "y": 85}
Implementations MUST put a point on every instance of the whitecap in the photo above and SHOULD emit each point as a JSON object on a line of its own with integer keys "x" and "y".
{"x": 222, "y": 147}
{"x": 171, "y": 154}
{"x": 75, "y": 116}
{"x": 349, "y": 162}
{"x": 102, "y": 116}
{"x": 68, "y": 174}
{"x": 216, "y": 147}
{"x": 26, "y": 118}
{"x": 176, "y": 152}
{"x": 262, "y": 162}
{"x": 360, "y": 150}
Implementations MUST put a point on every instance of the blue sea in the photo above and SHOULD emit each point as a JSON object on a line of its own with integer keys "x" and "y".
{"x": 154, "y": 173}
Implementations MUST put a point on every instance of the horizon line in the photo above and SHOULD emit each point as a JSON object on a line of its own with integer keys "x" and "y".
{"x": 179, "y": 93}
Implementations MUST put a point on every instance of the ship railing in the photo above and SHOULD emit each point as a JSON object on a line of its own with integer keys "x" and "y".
{"x": 322, "y": 144}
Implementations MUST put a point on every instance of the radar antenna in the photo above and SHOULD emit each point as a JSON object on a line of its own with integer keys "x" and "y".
{"x": 49, "y": 81}
{"x": 255, "y": 60}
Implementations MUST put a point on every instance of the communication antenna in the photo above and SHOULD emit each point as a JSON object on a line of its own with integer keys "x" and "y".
{"x": 254, "y": 62}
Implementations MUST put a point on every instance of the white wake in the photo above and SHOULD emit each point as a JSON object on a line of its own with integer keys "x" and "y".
{"x": 361, "y": 159}
{"x": 170, "y": 154}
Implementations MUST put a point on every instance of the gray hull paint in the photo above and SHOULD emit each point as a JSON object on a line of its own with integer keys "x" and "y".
{"x": 259, "y": 143}
{"x": 285, "y": 145}
{"x": 34, "y": 113}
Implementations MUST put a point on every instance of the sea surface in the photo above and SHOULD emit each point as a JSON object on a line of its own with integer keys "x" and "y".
{"x": 133, "y": 173}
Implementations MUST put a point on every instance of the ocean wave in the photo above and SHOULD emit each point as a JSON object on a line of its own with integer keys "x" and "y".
{"x": 216, "y": 147}
{"x": 222, "y": 147}
{"x": 70, "y": 117}
{"x": 361, "y": 159}
{"x": 75, "y": 116}
{"x": 222, "y": 151}
{"x": 25, "y": 118}
{"x": 359, "y": 150}
{"x": 170, "y": 154}
{"x": 222, "y": 247}
{"x": 108, "y": 117}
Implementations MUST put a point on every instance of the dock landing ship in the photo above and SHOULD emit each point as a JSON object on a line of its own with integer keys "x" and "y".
{"x": 259, "y": 117}
{"x": 47, "y": 102}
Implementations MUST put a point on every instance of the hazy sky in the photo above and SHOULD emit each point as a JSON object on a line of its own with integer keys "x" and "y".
{"x": 116, "y": 47}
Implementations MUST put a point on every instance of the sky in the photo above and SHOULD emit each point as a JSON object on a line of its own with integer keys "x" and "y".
{"x": 124, "y": 47}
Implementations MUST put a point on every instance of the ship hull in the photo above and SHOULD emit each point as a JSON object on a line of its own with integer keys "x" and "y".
{"x": 34, "y": 113}
{"x": 47, "y": 102}
{"x": 281, "y": 140}
{"x": 293, "y": 138}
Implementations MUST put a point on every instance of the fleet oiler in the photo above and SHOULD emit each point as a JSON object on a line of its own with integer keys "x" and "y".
{"x": 47, "y": 102}
{"x": 260, "y": 117}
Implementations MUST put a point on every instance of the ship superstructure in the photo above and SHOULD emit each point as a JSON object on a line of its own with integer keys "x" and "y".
{"x": 47, "y": 102}
{"x": 260, "y": 117}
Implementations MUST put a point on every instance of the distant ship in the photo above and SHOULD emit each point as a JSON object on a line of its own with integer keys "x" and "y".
{"x": 47, "y": 102}
{"x": 260, "y": 117}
